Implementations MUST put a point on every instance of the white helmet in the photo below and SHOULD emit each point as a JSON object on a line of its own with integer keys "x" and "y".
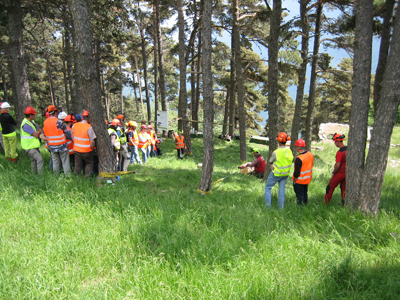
{"x": 5, "y": 105}
{"x": 62, "y": 115}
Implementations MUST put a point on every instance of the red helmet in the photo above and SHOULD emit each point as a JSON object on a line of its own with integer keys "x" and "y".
{"x": 150, "y": 127}
{"x": 30, "y": 111}
{"x": 69, "y": 118}
{"x": 143, "y": 126}
{"x": 283, "y": 137}
{"x": 85, "y": 114}
{"x": 338, "y": 137}
{"x": 121, "y": 117}
{"x": 115, "y": 122}
{"x": 300, "y": 143}
{"x": 51, "y": 108}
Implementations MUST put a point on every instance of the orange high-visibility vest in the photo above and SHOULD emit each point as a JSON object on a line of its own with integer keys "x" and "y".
{"x": 135, "y": 138}
{"x": 179, "y": 142}
{"x": 142, "y": 144}
{"x": 81, "y": 137}
{"x": 152, "y": 137}
{"x": 53, "y": 135}
{"x": 70, "y": 144}
{"x": 306, "y": 168}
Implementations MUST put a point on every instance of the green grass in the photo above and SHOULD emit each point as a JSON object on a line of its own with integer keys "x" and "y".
{"x": 151, "y": 236}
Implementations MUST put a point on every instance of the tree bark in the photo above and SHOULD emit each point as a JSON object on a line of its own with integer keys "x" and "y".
{"x": 375, "y": 167}
{"x": 50, "y": 79}
{"x": 18, "y": 58}
{"x": 383, "y": 51}
{"x": 273, "y": 101}
{"x": 182, "y": 109}
{"x": 313, "y": 81}
{"x": 226, "y": 114}
{"x": 5, "y": 88}
{"x": 301, "y": 74}
{"x": 232, "y": 92}
{"x": 78, "y": 105}
{"x": 139, "y": 82}
{"x": 146, "y": 85}
{"x": 90, "y": 87}
{"x": 239, "y": 81}
{"x": 121, "y": 95}
{"x": 70, "y": 72}
{"x": 359, "y": 101}
{"x": 208, "y": 146}
{"x": 156, "y": 83}
{"x": 65, "y": 73}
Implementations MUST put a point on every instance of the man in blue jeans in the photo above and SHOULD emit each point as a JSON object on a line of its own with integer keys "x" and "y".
{"x": 281, "y": 163}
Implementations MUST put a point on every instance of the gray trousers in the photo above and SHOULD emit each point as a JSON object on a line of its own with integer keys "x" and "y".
{"x": 63, "y": 159}
{"x": 36, "y": 160}
{"x": 124, "y": 153}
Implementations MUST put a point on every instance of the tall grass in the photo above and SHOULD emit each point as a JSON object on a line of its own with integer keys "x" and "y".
{"x": 151, "y": 236}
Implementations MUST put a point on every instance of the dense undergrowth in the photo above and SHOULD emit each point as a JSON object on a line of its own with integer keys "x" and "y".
{"x": 151, "y": 236}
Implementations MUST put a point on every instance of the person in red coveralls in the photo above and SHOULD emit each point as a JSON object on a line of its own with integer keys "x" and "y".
{"x": 339, "y": 170}
{"x": 258, "y": 164}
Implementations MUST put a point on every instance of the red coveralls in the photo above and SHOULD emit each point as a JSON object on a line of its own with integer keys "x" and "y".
{"x": 338, "y": 178}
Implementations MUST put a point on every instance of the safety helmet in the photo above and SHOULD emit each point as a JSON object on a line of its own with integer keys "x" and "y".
{"x": 85, "y": 114}
{"x": 69, "y": 118}
{"x": 283, "y": 137}
{"x": 179, "y": 131}
{"x": 5, "y": 105}
{"x": 255, "y": 150}
{"x": 30, "y": 111}
{"x": 126, "y": 124}
{"x": 143, "y": 126}
{"x": 115, "y": 122}
{"x": 122, "y": 117}
{"x": 62, "y": 115}
{"x": 150, "y": 127}
{"x": 300, "y": 143}
{"x": 132, "y": 123}
{"x": 51, "y": 108}
{"x": 78, "y": 117}
{"x": 338, "y": 137}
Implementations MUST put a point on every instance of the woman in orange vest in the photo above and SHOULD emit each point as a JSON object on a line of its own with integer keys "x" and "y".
{"x": 302, "y": 175}
{"x": 143, "y": 143}
{"x": 180, "y": 145}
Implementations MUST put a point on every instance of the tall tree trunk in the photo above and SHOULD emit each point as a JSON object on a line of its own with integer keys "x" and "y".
{"x": 182, "y": 109}
{"x": 156, "y": 86}
{"x": 239, "y": 81}
{"x": 134, "y": 91}
{"x": 78, "y": 105}
{"x": 5, "y": 88}
{"x": 70, "y": 70}
{"x": 226, "y": 113}
{"x": 139, "y": 83}
{"x": 90, "y": 86}
{"x": 383, "y": 51}
{"x": 97, "y": 55}
{"x": 301, "y": 74}
{"x": 232, "y": 92}
{"x": 313, "y": 81}
{"x": 273, "y": 74}
{"x": 146, "y": 85}
{"x": 359, "y": 101}
{"x": 196, "y": 106}
{"x": 65, "y": 73}
{"x": 18, "y": 58}
{"x": 121, "y": 95}
{"x": 107, "y": 99}
{"x": 50, "y": 79}
{"x": 375, "y": 166}
{"x": 161, "y": 62}
{"x": 208, "y": 146}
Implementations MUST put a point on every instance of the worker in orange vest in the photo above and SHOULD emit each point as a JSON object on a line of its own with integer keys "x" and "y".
{"x": 180, "y": 145}
{"x": 152, "y": 136}
{"x": 143, "y": 143}
{"x": 55, "y": 132}
{"x": 133, "y": 141}
{"x": 84, "y": 144}
{"x": 302, "y": 175}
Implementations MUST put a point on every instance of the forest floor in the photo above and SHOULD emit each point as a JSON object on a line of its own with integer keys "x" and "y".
{"x": 152, "y": 236}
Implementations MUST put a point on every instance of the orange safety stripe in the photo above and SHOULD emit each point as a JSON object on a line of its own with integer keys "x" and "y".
{"x": 81, "y": 137}
{"x": 141, "y": 143}
{"x": 306, "y": 168}
{"x": 179, "y": 142}
{"x": 53, "y": 135}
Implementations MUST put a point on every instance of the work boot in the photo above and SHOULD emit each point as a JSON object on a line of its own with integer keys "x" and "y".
{"x": 14, "y": 160}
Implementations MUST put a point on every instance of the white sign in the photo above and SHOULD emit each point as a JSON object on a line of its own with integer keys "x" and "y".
{"x": 162, "y": 120}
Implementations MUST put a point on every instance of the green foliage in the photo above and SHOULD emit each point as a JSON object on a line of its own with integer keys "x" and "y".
{"x": 151, "y": 236}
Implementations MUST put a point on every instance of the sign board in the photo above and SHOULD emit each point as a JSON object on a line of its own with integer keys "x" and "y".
{"x": 162, "y": 120}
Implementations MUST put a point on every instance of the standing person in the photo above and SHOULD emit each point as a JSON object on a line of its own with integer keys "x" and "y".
{"x": 302, "y": 175}
{"x": 84, "y": 143}
{"x": 143, "y": 143}
{"x": 56, "y": 135}
{"x": 133, "y": 140}
{"x": 30, "y": 141}
{"x": 115, "y": 141}
{"x": 9, "y": 134}
{"x": 258, "y": 164}
{"x": 63, "y": 116}
{"x": 180, "y": 145}
{"x": 152, "y": 140}
{"x": 280, "y": 163}
{"x": 339, "y": 170}
{"x": 123, "y": 152}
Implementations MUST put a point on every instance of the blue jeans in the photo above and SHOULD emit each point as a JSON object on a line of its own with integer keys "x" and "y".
{"x": 144, "y": 154}
{"x": 134, "y": 154}
{"x": 272, "y": 180}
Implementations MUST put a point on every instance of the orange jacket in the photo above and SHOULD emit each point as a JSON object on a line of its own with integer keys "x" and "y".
{"x": 81, "y": 137}
{"x": 179, "y": 142}
{"x": 142, "y": 140}
{"x": 70, "y": 145}
{"x": 53, "y": 135}
{"x": 307, "y": 160}
{"x": 135, "y": 138}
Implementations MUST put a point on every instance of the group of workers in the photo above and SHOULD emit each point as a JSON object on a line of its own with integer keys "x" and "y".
{"x": 281, "y": 162}
{"x": 71, "y": 140}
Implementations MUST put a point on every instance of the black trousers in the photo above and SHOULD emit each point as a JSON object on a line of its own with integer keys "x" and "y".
{"x": 301, "y": 193}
